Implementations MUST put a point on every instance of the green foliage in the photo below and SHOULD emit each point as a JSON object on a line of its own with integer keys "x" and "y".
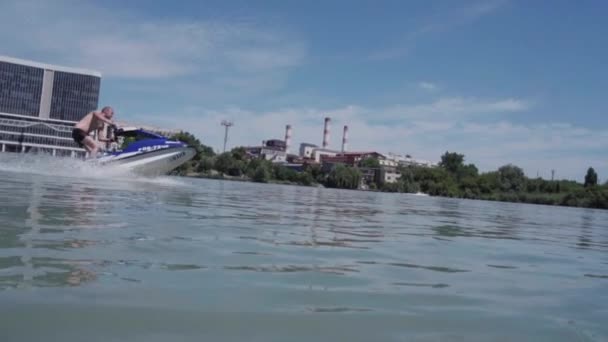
{"x": 488, "y": 182}
{"x": 283, "y": 173}
{"x": 407, "y": 181}
{"x": 224, "y": 162}
{"x": 343, "y": 177}
{"x": 452, "y": 178}
{"x": 590, "y": 178}
{"x": 590, "y": 197}
{"x": 467, "y": 171}
{"x": 202, "y": 151}
{"x": 206, "y": 164}
{"x": 304, "y": 178}
{"x": 261, "y": 174}
{"x": 469, "y": 187}
{"x": 238, "y": 153}
{"x": 370, "y": 162}
{"x": 452, "y": 161}
{"x": 191, "y": 140}
{"x": 435, "y": 181}
{"x": 511, "y": 178}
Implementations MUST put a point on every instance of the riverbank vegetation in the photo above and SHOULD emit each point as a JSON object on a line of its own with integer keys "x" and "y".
{"x": 452, "y": 178}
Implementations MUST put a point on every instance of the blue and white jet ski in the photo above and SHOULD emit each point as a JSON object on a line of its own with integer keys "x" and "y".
{"x": 148, "y": 154}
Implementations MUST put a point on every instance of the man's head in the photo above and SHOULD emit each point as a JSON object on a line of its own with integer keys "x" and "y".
{"x": 108, "y": 112}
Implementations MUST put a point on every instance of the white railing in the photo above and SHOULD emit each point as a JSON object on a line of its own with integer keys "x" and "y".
{"x": 24, "y": 124}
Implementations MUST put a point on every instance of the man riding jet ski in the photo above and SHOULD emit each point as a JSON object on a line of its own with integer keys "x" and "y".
{"x": 146, "y": 153}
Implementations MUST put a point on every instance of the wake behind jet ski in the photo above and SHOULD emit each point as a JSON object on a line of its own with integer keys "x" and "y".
{"x": 146, "y": 153}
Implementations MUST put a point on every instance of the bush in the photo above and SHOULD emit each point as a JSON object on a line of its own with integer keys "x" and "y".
{"x": 261, "y": 174}
{"x": 343, "y": 177}
{"x": 206, "y": 164}
{"x": 283, "y": 173}
{"x": 304, "y": 178}
{"x": 594, "y": 197}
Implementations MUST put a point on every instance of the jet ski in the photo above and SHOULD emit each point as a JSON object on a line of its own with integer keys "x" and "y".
{"x": 146, "y": 153}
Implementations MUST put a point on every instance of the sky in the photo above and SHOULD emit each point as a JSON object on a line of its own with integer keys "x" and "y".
{"x": 500, "y": 81}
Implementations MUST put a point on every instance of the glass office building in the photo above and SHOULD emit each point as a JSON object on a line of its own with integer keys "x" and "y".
{"x": 20, "y": 89}
{"x": 40, "y": 103}
{"x": 74, "y": 95}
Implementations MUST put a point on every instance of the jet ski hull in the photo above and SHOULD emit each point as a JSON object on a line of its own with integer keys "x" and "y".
{"x": 152, "y": 163}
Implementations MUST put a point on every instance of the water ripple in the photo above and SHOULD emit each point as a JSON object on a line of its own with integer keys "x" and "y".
{"x": 204, "y": 248}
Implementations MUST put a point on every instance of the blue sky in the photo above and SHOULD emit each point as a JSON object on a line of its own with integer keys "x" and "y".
{"x": 501, "y": 81}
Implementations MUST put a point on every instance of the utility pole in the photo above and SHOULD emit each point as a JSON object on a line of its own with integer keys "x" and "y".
{"x": 227, "y": 125}
{"x": 552, "y": 174}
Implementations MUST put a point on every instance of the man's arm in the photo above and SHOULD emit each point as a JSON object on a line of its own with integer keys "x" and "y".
{"x": 102, "y": 132}
{"x": 102, "y": 118}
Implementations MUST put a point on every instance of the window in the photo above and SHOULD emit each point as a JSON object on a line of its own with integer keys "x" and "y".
{"x": 20, "y": 89}
{"x": 74, "y": 96}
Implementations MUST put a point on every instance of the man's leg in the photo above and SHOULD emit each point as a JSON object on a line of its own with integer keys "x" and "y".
{"x": 91, "y": 146}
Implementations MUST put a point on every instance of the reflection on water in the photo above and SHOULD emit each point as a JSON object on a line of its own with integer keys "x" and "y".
{"x": 210, "y": 247}
{"x": 586, "y": 227}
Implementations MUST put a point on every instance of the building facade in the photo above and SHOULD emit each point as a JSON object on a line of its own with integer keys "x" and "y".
{"x": 40, "y": 103}
{"x": 271, "y": 153}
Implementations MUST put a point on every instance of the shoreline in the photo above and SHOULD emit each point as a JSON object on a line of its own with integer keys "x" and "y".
{"x": 496, "y": 197}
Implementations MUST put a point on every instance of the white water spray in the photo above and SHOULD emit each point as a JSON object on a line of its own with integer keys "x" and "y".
{"x": 65, "y": 167}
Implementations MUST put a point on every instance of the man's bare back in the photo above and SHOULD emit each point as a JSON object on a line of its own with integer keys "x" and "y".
{"x": 90, "y": 123}
{"x": 93, "y": 121}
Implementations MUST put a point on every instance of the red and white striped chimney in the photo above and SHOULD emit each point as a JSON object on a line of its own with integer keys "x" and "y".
{"x": 326, "y": 133}
{"x": 287, "y": 138}
{"x": 345, "y": 139}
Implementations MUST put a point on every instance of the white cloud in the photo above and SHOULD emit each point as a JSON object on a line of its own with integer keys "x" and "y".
{"x": 440, "y": 21}
{"x": 420, "y": 130}
{"x": 482, "y": 8}
{"x": 124, "y": 45}
{"x": 428, "y": 86}
{"x": 456, "y": 107}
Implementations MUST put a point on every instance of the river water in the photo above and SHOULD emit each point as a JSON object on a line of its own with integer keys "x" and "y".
{"x": 89, "y": 257}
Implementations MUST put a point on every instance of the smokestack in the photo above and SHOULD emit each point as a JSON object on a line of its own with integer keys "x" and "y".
{"x": 326, "y": 133}
{"x": 345, "y": 139}
{"x": 287, "y": 138}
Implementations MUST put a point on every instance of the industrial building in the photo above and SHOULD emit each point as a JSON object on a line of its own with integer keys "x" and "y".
{"x": 312, "y": 153}
{"x": 40, "y": 103}
{"x": 408, "y": 160}
{"x": 277, "y": 151}
{"x": 274, "y": 150}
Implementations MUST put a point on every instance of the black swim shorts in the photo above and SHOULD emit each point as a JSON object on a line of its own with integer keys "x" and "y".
{"x": 79, "y": 136}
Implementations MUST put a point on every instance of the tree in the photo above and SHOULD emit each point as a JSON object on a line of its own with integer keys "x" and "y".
{"x": 489, "y": 182}
{"x": 343, "y": 177}
{"x": 468, "y": 171}
{"x": 469, "y": 187}
{"x": 224, "y": 162}
{"x": 452, "y": 161}
{"x": 407, "y": 181}
{"x": 304, "y": 178}
{"x": 590, "y": 178}
{"x": 511, "y": 178}
{"x": 238, "y": 153}
{"x": 201, "y": 151}
{"x": 261, "y": 174}
{"x": 370, "y": 162}
{"x": 284, "y": 173}
{"x": 435, "y": 181}
{"x": 190, "y": 139}
{"x": 205, "y": 164}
